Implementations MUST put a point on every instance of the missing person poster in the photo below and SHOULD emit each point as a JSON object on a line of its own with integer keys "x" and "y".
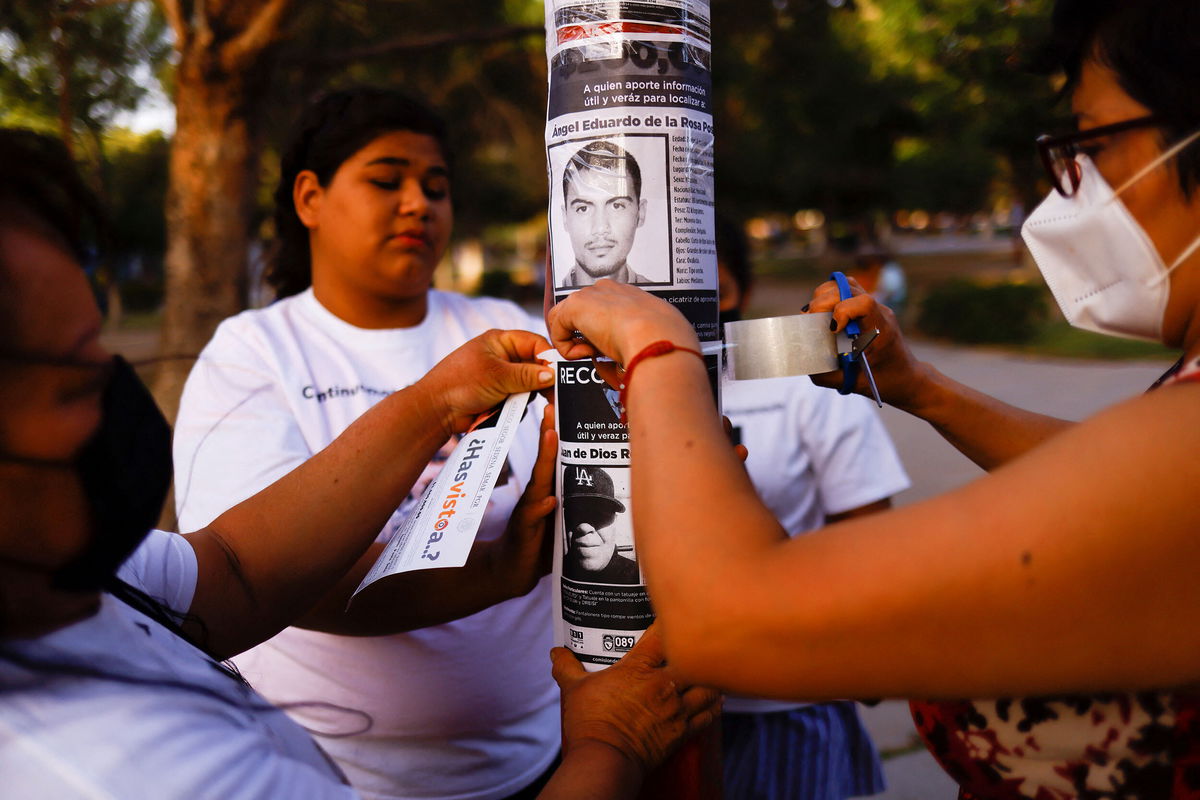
{"x": 601, "y": 605}
{"x": 629, "y": 157}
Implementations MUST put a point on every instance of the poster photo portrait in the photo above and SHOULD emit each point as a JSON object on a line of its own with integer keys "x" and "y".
{"x": 598, "y": 528}
{"x": 608, "y": 213}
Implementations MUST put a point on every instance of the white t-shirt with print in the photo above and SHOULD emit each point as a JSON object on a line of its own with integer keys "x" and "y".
{"x": 461, "y": 711}
{"x": 813, "y": 453}
{"x": 70, "y": 738}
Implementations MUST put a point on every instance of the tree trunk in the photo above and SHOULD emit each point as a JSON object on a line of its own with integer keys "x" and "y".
{"x": 213, "y": 170}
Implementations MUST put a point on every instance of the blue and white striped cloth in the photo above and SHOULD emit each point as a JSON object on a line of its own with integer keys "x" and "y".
{"x": 817, "y": 752}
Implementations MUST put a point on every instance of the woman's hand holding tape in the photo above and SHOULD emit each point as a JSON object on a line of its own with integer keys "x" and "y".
{"x": 901, "y": 378}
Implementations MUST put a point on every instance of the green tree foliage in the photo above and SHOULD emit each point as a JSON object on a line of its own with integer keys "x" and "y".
{"x": 482, "y": 65}
{"x": 803, "y": 119}
{"x": 979, "y": 101}
{"x": 77, "y": 62}
{"x": 975, "y": 313}
{"x": 846, "y": 105}
{"x": 137, "y": 190}
{"x": 855, "y": 106}
{"x": 68, "y": 67}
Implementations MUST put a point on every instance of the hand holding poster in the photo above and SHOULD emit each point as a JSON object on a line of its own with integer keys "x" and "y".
{"x": 442, "y": 526}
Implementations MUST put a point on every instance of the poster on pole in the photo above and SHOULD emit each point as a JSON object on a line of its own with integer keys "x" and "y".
{"x": 629, "y": 160}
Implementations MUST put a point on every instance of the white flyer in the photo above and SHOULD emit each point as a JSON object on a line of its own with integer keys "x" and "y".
{"x": 442, "y": 527}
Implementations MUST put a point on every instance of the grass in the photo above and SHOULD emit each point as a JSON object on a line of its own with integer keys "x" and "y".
{"x": 1060, "y": 339}
{"x": 785, "y": 284}
{"x": 141, "y": 320}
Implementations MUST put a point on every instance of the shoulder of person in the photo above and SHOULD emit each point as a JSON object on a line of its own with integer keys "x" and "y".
{"x": 812, "y": 400}
{"x": 492, "y": 311}
{"x": 239, "y": 348}
{"x": 164, "y": 567}
{"x": 625, "y": 568}
{"x": 273, "y": 314}
{"x": 772, "y": 395}
{"x": 254, "y": 325}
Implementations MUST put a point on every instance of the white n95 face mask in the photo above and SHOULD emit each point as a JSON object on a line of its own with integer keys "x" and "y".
{"x": 1100, "y": 264}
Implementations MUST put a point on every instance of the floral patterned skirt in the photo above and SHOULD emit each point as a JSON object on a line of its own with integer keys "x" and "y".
{"x": 1143, "y": 746}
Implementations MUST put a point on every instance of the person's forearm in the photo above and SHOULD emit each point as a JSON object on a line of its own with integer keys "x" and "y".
{"x": 697, "y": 518}
{"x": 1083, "y": 551}
{"x": 289, "y": 543}
{"x": 410, "y": 600}
{"x": 984, "y": 429}
{"x": 594, "y": 771}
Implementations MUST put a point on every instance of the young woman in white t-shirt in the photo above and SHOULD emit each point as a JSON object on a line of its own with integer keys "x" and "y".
{"x": 363, "y": 217}
{"x": 110, "y": 681}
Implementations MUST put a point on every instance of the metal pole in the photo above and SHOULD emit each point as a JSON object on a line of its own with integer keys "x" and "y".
{"x": 629, "y": 155}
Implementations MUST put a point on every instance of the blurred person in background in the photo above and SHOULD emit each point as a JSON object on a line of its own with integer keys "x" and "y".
{"x": 814, "y": 458}
{"x": 879, "y": 273}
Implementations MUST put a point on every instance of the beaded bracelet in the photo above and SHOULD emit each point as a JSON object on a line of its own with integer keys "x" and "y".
{"x": 659, "y": 348}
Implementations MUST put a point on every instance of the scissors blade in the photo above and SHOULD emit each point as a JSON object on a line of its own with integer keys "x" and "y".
{"x": 870, "y": 378}
{"x": 863, "y": 341}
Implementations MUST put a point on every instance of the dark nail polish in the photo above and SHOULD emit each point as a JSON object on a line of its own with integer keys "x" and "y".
{"x": 833, "y": 325}
{"x": 805, "y": 309}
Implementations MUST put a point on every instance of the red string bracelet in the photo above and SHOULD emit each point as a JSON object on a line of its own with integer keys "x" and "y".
{"x": 659, "y": 348}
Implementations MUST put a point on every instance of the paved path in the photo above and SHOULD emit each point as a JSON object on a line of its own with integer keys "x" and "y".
{"x": 1064, "y": 388}
{"x": 1071, "y": 389}
{"x": 134, "y": 345}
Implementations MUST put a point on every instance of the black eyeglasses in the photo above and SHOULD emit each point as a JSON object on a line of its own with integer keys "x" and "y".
{"x": 1058, "y": 152}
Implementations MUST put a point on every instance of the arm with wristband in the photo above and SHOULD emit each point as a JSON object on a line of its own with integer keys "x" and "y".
{"x": 814, "y": 617}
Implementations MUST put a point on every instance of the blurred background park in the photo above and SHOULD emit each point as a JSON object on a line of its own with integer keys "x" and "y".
{"x": 847, "y": 130}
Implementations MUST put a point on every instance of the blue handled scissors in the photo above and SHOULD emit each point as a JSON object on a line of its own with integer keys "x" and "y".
{"x": 850, "y": 360}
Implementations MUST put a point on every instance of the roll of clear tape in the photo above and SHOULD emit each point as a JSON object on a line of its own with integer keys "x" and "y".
{"x": 777, "y": 347}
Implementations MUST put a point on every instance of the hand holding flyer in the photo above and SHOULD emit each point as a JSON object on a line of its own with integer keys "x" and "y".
{"x": 443, "y": 525}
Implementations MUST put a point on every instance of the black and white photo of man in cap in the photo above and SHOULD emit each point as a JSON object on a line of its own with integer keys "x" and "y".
{"x": 590, "y": 508}
{"x": 603, "y": 210}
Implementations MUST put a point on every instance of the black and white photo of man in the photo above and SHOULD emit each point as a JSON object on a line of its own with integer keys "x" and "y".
{"x": 603, "y": 209}
{"x": 590, "y": 507}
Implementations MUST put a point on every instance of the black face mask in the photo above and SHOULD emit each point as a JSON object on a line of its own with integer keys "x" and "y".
{"x": 126, "y": 473}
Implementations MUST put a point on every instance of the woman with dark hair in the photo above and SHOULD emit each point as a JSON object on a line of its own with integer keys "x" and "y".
{"x": 456, "y": 681}
{"x": 1067, "y": 576}
{"x": 111, "y": 634}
